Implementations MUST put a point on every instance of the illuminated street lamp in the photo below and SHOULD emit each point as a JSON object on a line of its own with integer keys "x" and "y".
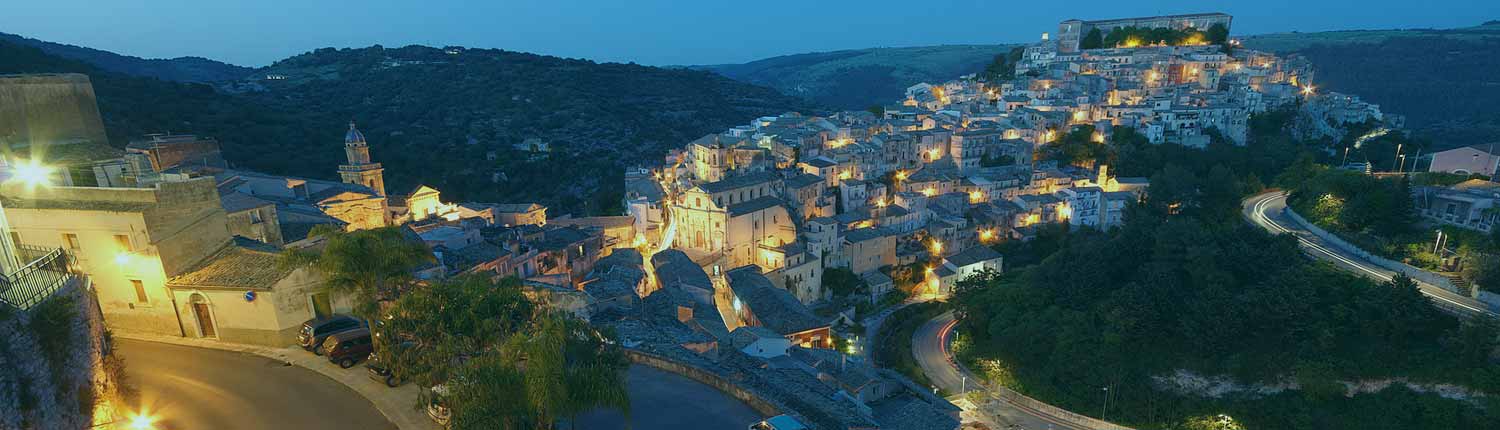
{"x": 142, "y": 422}
{"x": 937, "y": 248}
{"x": 32, "y": 173}
{"x": 1307, "y": 90}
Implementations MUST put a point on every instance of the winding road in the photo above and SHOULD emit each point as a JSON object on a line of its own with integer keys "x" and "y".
{"x": 197, "y": 388}
{"x": 1267, "y": 211}
{"x": 930, "y": 348}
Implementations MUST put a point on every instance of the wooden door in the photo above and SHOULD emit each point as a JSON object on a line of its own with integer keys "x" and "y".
{"x": 205, "y": 320}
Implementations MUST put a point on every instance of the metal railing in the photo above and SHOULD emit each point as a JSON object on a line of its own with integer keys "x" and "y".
{"x": 47, "y": 271}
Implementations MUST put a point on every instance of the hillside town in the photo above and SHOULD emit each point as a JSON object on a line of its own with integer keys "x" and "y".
{"x": 721, "y": 262}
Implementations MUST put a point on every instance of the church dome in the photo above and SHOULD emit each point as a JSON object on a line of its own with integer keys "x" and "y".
{"x": 353, "y": 136}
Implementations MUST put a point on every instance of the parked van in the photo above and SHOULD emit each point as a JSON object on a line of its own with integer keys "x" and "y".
{"x": 315, "y": 330}
{"x": 348, "y": 347}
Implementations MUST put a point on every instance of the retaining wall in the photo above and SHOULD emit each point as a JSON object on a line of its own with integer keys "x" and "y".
{"x": 1414, "y": 272}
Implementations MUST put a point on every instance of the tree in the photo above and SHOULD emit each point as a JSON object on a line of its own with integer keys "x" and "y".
{"x": 1218, "y": 34}
{"x": 368, "y": 265}
{"x": 1093, "y": 40}
{"x": 841, "y": 281}
{"x": 506, "y": 362}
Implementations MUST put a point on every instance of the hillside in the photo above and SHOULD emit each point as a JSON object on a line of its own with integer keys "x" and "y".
{"x": 1443, "y": 81}
{"x": 859, "y": 78}
{"x": 1295, "y": 41}
{"x": 437, "y": 119}
{"x": 180, "y": 69}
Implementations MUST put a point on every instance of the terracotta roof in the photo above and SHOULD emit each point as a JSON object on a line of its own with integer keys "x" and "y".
{"x": 243, "y": 264}
{"x": 776, "y": 308}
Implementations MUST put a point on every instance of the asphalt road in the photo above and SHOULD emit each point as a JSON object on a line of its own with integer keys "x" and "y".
{"x": 1266, "y": 211}
{"x": 196, "y": 388}
{"x": 930, "y": 346}
{"x": 664, "y": 400}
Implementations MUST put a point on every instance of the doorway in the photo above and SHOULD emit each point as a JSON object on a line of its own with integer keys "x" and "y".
{"x": 322, "y": 307}
{"x": 204, "y": 315}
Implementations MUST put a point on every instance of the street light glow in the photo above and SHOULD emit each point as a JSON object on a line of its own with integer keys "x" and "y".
{"x": 142, "y": 422}
{"x": 32, "y": 173}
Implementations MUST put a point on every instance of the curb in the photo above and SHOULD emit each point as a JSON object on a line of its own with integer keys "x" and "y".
{"x": 393, "y": 403}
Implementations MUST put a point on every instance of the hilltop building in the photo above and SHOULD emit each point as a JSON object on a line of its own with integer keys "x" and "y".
{"x": 1071, "y": 32}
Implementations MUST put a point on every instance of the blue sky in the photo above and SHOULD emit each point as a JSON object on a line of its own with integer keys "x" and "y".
{"x": 654, "y": 32}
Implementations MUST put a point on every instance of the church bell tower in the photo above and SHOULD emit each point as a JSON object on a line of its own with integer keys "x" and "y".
{"x": 359, "y": 170}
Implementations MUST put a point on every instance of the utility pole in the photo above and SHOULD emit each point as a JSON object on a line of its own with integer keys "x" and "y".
{"x": 1104, "y": 410}
{"x": 1415, "y": 159}
{"x": 1398, "y": 155}
{"x": 1346, "y": 157}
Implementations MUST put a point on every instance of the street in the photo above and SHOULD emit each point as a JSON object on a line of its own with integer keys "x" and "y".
{"x": 929, "y": 345}
{"x": 664, "y": 400}
{"x": 1265, "y": 210}
{"x": 196, "y": 388}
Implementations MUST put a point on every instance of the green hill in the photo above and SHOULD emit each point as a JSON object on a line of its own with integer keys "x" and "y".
{"x": 436, "y": 118}
{"x": 858, "y": 78}
{"x": 180, "y": 69}
{"x": 1443, "y": 81}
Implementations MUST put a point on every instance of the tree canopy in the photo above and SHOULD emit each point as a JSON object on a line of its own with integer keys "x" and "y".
{"x": 368, "y": 265}
{"x": 506, "y": 363}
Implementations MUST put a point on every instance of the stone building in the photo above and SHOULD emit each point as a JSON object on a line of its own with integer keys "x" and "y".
{"x": 128, "y": 240}
{"x": 360, "y": 170}
{"x": 243, "y": 295}
{"x": 759, "y": 303}
{"x": 1071, "y": 32}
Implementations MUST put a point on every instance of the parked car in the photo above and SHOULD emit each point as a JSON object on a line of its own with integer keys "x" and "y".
{"x": 315, "y": 330}
{"x": 381, "y": 371}
{"x": 348, "y": 347}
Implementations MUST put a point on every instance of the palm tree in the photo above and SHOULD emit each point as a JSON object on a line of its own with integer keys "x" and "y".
{"x": 369, "y": 265}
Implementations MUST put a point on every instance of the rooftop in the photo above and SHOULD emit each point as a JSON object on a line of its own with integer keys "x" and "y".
{"x": 775, "y": 308}
{"x": 738, "y": 181}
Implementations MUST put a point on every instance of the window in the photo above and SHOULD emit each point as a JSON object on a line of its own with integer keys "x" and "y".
{"x": 255, "y": 217}
{"x": 70, "y": 241}
{"x": 140, "y": 291}
{"x": 122, "y": 242}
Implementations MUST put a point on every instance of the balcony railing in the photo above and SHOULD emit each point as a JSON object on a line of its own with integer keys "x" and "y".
{"x": 46, "y": 271}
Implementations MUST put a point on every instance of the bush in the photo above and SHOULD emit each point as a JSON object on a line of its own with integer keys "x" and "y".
{"x": 893, "y": 343}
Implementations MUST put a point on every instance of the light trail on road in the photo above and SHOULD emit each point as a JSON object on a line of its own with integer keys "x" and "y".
{"x": 1264, "y": 201}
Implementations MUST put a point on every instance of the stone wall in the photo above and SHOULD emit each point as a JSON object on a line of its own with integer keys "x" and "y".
{"x": 37, "y": 394}
{"x": 49, "y": 109}
{"x": 1414, "y": 272}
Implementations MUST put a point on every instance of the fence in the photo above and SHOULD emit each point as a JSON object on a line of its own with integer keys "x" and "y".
{"x": 1384, "y": 263}
{"x": 1040, "y": 408}
{"x": 46, "y": 272}
{"x": 1060, "y": 414}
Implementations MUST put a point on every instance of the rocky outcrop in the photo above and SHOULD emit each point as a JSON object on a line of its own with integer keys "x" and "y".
{"x": 53, "y": 364}
{"x": 1186, "y": 382}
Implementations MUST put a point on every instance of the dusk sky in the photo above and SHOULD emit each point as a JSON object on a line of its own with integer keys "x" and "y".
{"x": 654, "y": 32}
